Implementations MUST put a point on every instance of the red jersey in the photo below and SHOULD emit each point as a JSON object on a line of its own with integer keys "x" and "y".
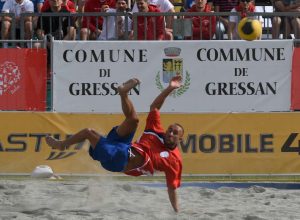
{"x": 251, "y": 9}
{"x": 204, "y": 27}
{"x": 70, "y": 6}
{"x": 92, "y": 22}
{"x": 153, "y": 24}
{"x": 157, "y": 156}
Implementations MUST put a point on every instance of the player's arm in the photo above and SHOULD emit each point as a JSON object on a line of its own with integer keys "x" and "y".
{"x": 173, "y": 198}
{"x": 160, "y": 99}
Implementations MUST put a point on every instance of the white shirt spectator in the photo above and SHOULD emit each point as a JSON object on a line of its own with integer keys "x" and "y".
{"x": 163, "y": 5}
{"x": 11, "y": 6}
{"x": 109, "y": 27}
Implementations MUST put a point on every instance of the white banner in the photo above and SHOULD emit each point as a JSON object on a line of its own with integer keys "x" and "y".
{"x": 218, "y": 76}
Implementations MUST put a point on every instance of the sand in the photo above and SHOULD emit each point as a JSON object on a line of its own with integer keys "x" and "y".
{"x": 104, "y": 198}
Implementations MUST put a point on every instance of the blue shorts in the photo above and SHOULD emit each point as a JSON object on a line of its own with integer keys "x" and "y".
{"x": 112, "y": 151}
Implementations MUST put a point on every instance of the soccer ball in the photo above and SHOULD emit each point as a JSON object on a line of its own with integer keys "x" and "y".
{"x": 249, "y": 29}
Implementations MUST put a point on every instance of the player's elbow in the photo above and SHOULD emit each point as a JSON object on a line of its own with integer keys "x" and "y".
{"x": 153, "y": 106}
{"x": 135, "y": 121}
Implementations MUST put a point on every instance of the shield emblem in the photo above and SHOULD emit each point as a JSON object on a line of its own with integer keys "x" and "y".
{"x": 172, "y": 67}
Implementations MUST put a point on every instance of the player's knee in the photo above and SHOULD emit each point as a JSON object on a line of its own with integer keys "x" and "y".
{"x": 88, "y": 131}
{"x": 91, "y": 135}
{"x": 135, "y": 120}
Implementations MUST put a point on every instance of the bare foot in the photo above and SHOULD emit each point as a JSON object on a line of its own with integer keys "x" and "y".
{"x": 126, "y": 86}
{"x": 54, "y": 143}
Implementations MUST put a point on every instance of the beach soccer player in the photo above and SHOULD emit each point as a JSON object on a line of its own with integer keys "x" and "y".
{"x": 156, "y": 149}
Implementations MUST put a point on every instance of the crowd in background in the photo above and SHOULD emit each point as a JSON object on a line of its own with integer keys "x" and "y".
{"x": 119, "y": 27}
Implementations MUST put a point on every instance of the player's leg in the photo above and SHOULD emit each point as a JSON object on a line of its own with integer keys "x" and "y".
{"x": 130, "y": 123}
{"x": 86, "y": 134}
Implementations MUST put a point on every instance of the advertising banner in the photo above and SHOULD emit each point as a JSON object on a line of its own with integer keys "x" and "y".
{"x": 295, "y": 105}
{"x": 23, "y": 79}
{"x": 236, "y": 76}
{"x": 244, "y": 143}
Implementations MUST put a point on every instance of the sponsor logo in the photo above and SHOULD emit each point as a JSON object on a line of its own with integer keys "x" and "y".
{"x": 70, "y": 151}
{"x": 292, "y": 144}
{"x": 193, "y": 143}
{"x": 20, "y": 143}
{"x": 238, "y": 143}
{"x": 10, "y": 77}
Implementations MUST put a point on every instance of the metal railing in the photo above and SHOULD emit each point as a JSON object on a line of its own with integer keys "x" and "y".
{"x": 180, "y": 24}
{"x": 182, "y": 27}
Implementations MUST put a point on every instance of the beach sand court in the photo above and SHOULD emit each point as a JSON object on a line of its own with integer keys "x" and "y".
{"x": 108, "y": 198}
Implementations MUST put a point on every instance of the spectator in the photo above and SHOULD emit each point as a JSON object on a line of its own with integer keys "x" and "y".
{"x": 204, "y": 27}
{"x": 37, "y": 4}
{"x": 163, "y": 6}
{"x": 222, "y": 25}
{"x": 69, "y": 5}
{"x": 189, "y": 3}
{"x": 2, "y": 3}
{"x": 243, "y": 8}
{"x": 65, "y": 3}
{"x": 114, "y": 26}
{"x": 210, "y": 2}
{"x": 154, "y": 25}
{"x": 17, "y": 7}
{"x": 50, "y": 25}
{"x": 92, "y": 26}
{"x": 80, "y": 5}
{"x": 286, "y": 25}
{"x": 1, "y": 6}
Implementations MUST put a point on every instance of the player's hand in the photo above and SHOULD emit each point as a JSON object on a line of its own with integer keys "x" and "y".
{"x": 175, "y": 82}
